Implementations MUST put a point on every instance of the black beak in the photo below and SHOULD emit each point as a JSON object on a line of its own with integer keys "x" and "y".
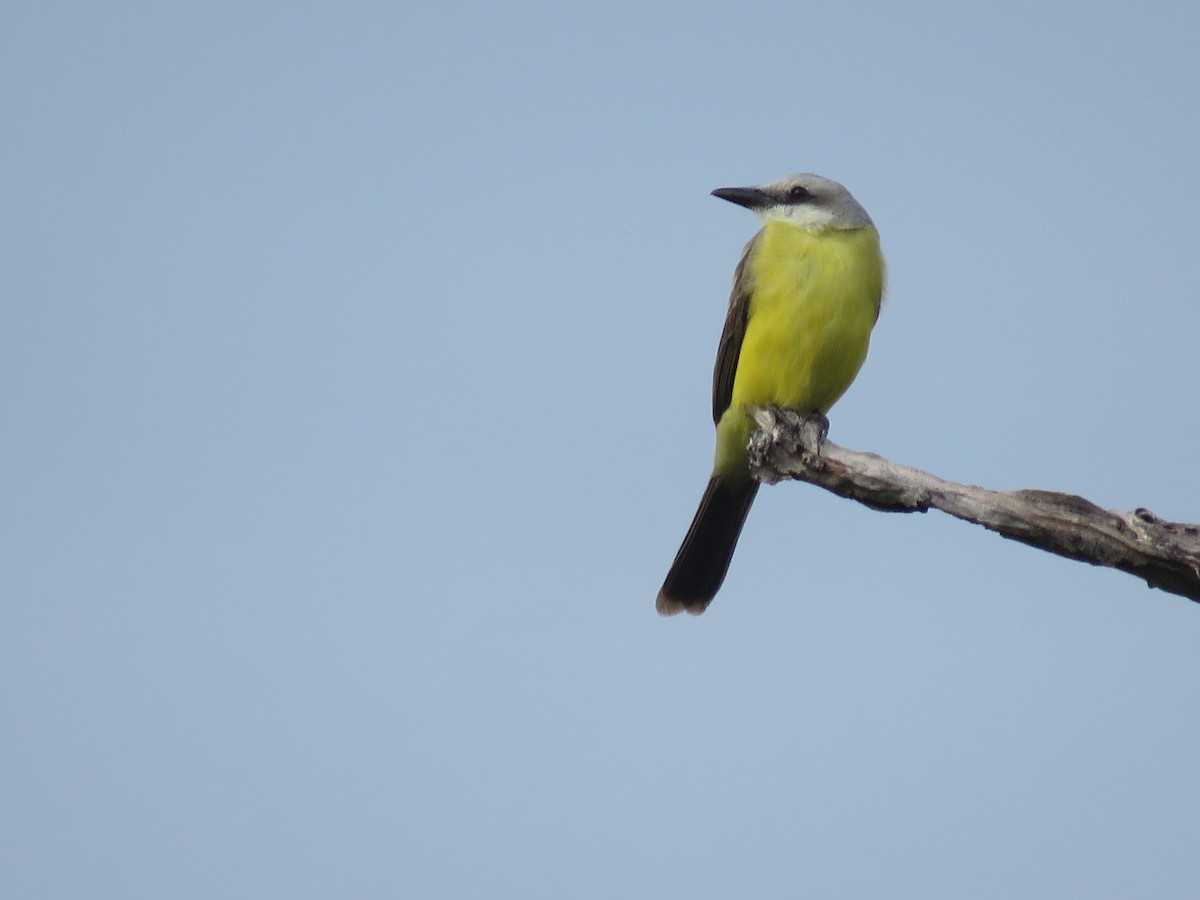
{"x": 751, "y": 197}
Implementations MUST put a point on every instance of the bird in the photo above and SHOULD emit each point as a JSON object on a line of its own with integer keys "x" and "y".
{"x": 806, "y": 295}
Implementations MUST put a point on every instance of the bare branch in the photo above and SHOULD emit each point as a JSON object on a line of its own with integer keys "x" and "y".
{"x": 1165, "y": 554}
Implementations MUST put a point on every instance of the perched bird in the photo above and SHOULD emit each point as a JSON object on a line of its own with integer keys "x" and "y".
{"x": 806, "y": 295}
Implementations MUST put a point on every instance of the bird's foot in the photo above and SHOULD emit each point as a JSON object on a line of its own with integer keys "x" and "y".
{"x": 814, "y": 428}
{"x": 802, "y": 432}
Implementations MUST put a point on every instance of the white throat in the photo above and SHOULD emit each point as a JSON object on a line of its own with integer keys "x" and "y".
{"x": 802, "y": 215}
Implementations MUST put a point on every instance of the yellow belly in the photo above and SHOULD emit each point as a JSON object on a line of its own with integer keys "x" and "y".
{"x": 815, "y": 300}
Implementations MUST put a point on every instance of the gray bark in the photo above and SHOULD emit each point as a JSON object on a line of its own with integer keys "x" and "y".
{"x": 1165, "y": 554}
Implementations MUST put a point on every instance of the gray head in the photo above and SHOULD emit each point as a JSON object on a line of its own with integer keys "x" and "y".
{"x": 807, "y": 200}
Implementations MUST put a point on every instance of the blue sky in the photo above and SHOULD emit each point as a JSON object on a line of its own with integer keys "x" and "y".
{"x": 356, "y": 366}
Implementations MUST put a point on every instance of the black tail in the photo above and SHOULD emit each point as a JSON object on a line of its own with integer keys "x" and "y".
{"x": 702, "y": 561}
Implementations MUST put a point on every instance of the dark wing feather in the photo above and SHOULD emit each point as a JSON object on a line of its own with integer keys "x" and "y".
{"x": 730, "y": 347}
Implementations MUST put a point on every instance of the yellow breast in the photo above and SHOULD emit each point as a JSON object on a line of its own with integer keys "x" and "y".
{"x": 815, "y": 299}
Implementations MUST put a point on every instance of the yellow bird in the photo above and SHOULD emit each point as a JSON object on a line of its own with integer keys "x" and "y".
{"x": 806, "y": 295}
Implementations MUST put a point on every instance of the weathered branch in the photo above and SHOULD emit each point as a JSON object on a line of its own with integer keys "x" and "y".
{"x": 1165, "y": 554}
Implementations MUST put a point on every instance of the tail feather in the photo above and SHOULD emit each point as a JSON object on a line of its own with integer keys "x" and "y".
{"x": 703, "y": 559}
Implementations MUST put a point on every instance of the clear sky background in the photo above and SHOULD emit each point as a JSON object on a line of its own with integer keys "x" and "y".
{"x": 356, "y": 365}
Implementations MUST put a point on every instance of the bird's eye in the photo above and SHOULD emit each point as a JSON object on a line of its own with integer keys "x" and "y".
{"x": 799, "y": 194}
